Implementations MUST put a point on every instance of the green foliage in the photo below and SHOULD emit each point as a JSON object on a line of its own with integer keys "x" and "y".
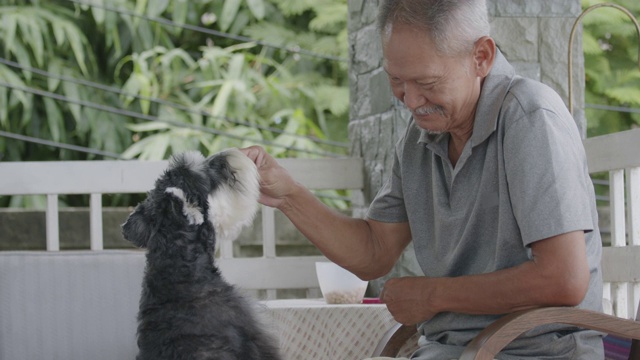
{"x": 203, "y": 82}
{"x": 205, "y": 92}
{"x": 610, "y": 44}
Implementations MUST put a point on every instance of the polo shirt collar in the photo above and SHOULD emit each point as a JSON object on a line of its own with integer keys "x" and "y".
{"x": 494, "y": 89}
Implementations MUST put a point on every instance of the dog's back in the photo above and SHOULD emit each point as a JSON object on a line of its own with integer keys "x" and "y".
{"x": 204, "y": 319}
{"x": 187, "y": 310}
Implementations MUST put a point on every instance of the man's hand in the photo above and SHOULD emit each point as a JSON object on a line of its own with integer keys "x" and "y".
{"x": 406, "y": 298}
{"x": 275, "y": 182}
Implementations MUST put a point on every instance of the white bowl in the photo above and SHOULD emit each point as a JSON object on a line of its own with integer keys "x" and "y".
{"x": 338, "y": 285}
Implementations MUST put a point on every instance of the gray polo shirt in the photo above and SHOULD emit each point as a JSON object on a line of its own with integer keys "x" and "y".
{"x": 522, "y": 177}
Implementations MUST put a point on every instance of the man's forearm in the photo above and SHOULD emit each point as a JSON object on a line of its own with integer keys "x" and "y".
{"x": 557, "y": 275}
{"x": 345, "y": 240}
{"x": 504, "y": 291}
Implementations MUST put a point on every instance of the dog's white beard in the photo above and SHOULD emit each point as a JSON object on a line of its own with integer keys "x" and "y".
{"x": 233, "y": 207}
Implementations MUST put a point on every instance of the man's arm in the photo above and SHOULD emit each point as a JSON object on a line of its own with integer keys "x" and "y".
{"x": 557, "y": 275}
{"x": 367, "y": 248}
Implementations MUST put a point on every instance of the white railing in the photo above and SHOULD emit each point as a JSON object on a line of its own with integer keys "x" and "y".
{"x": 619, "y": 155}
{"x": 96, "y": 178}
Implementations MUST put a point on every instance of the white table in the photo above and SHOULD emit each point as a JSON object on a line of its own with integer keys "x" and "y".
{"x": 312, "y": 329}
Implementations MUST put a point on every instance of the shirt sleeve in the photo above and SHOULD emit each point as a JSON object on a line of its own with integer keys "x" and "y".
{"x": 549, "y": 185}
{"x": 388, "y": 205}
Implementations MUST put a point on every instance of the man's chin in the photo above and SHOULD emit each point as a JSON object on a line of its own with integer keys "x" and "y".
{"x": 423, "y": 124}
{"x": 434, "y": 132}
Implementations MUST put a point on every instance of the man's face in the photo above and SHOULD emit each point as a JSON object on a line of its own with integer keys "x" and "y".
{"x": 441, "y": 91}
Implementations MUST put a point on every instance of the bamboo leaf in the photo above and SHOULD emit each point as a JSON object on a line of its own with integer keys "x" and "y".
{"x": 219, "y": 107}
{"x": 330, "y": 18}
{"x": 236, "y": 65}
{"x": 168, "y": 58}
{"x": 157, "y": 147}
{"x": 146, "y": 91}
{"x": 250, "y": 135}
{"x": 229, "y": 12}
{"x": 32, "y": 35}
{"x": 180, "y": 12}
{"x": 131, "y": 87}
{"x": 295, "y": 7}
{"x": 72, "y": 92}
{"x": 625, "y": 94}
{"x": 209, "y": 83}
{"x": 4, "y": 107}
{"x": 9, "y": 24}
{"x": 257, "y": 8}
{"x": 140, "y": 7}
{"x": 54, "y": 119}
{"x": 76, "y": 42}
{"x": 22, "y": 56}
{"x": 59, "y": 35}
{"x": 52, "y": 82}
{"x": 15, "y": 96}
{"x": 183, "y": 140}
{"x": 148, "y": 126}
{"x": 98, "y": 13}
{"x": 158, "y": 7}
{"x": 136, "y": 148}
{"x": 333, "y": 98}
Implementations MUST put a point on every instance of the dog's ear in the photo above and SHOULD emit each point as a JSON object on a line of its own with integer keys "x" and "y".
{"x": 136, "y": 229}
{"x": 234, "y": 203}
{"x": 184, "y": 208}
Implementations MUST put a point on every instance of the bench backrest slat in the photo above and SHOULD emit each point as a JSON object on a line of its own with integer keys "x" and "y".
{"x": 269, "y": 272}
{"x": 107, "y": 177}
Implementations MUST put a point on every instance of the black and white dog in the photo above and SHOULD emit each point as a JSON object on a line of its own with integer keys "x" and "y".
{"x": 187, "y": 310}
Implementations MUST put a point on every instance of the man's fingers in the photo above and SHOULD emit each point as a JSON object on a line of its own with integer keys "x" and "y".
{"x": 254, "y": 153}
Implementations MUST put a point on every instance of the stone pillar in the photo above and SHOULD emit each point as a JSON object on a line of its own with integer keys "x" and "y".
{"x": 532, "y": 34}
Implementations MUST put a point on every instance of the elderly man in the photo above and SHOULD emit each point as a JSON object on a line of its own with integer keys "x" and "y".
{"x": 489, "y": 181}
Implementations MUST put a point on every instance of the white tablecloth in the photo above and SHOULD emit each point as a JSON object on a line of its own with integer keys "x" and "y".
{"x": 310, "y": 329}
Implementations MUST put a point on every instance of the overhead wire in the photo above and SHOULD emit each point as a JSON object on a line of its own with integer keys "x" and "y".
{"x": 140, "y": 116}
{"x": 93, "y": 151}
{"x": 60, "y": 145}
{"x": 292, "y": 49}
{"x": 623, "y": 109}
{"x": 171, "y": 104}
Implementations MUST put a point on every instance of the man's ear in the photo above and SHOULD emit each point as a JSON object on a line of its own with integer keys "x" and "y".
{"x": 136, "y": 229}
{"x": 484, "y": 54}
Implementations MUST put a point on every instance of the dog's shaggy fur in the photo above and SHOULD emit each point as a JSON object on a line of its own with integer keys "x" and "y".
{"x": 187, "y": 310}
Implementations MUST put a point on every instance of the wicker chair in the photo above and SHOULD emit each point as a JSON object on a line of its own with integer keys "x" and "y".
{"x": 495, "y": 337}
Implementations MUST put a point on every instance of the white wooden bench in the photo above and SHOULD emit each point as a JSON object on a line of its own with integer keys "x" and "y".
{"x": 96, "y": 178}
{"x": 619, "y": 155}
{"x": 82, "y": 304}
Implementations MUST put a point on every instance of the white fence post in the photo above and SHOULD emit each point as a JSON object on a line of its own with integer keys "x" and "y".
{"x": 53, "y": 231}
{"x": 95, "y": 221}
{"x": 269, "y": 240}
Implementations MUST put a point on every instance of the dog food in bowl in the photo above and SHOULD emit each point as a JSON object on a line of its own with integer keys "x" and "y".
{"x": 339, "y": 286}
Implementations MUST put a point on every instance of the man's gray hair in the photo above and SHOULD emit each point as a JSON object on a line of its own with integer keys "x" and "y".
{"x": 453, "y": 25}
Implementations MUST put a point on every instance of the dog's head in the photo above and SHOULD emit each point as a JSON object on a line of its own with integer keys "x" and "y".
{"x": 222, "y": 190}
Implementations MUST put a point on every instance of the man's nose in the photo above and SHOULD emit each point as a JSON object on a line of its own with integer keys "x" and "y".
{"x": 412, "y": 98}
